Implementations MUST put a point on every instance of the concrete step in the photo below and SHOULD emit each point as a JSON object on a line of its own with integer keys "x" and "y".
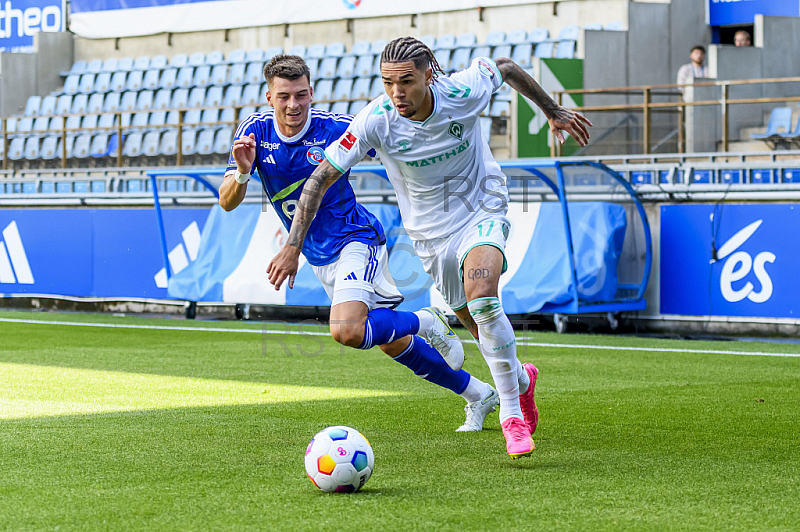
{"x": 745, "y": 146}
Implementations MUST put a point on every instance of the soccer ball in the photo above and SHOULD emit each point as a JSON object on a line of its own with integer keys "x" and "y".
{"x": 339, "y": 459}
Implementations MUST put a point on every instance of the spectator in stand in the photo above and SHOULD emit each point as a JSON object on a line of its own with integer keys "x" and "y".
{"x": 741, "y": 38}
{"x": 695, "y": 69}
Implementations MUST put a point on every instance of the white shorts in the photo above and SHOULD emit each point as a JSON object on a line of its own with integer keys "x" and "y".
{"x": 361, "y": 273}
{"x": 443, "y": 258}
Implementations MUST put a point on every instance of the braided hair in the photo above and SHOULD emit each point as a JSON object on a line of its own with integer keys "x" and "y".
{"x": 405, "y": 49}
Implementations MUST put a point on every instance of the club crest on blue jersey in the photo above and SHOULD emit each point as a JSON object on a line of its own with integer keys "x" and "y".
{"x": 315, "y": 155}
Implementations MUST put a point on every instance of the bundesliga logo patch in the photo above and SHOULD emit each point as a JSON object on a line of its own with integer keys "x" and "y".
{"x": 347, "y": 141}
{"x": 485, "y": 69}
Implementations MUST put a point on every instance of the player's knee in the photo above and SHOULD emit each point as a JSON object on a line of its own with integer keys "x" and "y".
{"x": 348, "y": 334}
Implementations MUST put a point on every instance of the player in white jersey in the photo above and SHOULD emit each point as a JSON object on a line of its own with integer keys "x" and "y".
{"x": 452, "y": 197}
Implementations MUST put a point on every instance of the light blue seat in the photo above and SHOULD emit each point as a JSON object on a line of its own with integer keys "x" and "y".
{"x": 466, "y": 40}
{"x": 196, "y": 59}
{"x": 327, "y": 68}
{"x": 315, "y": 51}
{"x": 102, "y": 82}
{"x": 233, "y": 95}
{"x": 500, "y": 108}
{"x": 237, "y": 73}
{"x": 158, "y": 120}
{"x": 378, "y": 46}
{"x": 237, "y": 56}
{"x": 135, "y": 80}
{"x": 779, "y": 119}
{"x": 227, "y": 114}
{"x": 159, "y": 62}
{"x": 118, "y": 81}
{"x": 480, "y": 51}
{"x": 180, "y": 98}
{"x": 446, "y": 41}
{"x": 133, "y": 145}
{"x": 299, "y": 50}
{"x": 89, "y": 122}
{"x": 79, "y": 67}
{"x": 522, "y": 54}
{"x": 163, "y": 99}
{"x": 504, "y": 50}
{"x": 443, "y": 58}
{"x": 214, "y": 58}
{"x": 538, "y": 35}
{"x": 69, "y": 147}
{"x": 106, "y": 120}
{"x": 48, "y": 106}
{"x": 172, "y": 120}
{"x": 145, "y": 100}
{"x": 565, "y": 50}
{"x": 150, "y": 143}
{"x": 32, "y": 106}
{"x": 360, "y": 48}
{"x": 361, "y": 88}
{"x": 11, "y": 125}
{"x": 140, "y": 121}
{"x": 192, "y": 118}
{"x": 323, "y": 90}
{"x": 49, "y": 149}
{"x": 322, "y": 106}
{"x": 81, "y": 147}
{"x": 202, "y": 76}
{"x": 189, "y": 142}
{"x": 197, "y": 97}
{"x": 125, "y": 64}
{"x": 357, "y": 106}
{"x": 71, "y": 84}
{"x": 95, "y": 66}
{"x": 205, "y": 141}
{"x": 213, "y": 97}
{"x": 251, "y": 94}
{"x": 73, "y": 126}
{"x": 460, "y": 59}
{"x": 142, "y": 63}
{"x": 255, "y": 55}
{"x": 364, "y": 65}
{"x": 503, "y": 93}
{"x": 254, "y": 73}
{"x": 79, "y": 103}
{"x": 313, "y": 67}
{"x": 100, "y": 145}
{"x": 347, "y": 67}
{"x": 87, "y": 84}
{"x": 223, "y": 140}
{"x": 24, "y": 126}
{"x": 179, "y": 60}
{"x": 16, "y": 149}
{"x": 109, "y": 65}
{"x": 335, "y": 49}
{"x": 496, "y": 38}
{"x": 185, "y": 75}
{"x": 169, "y": 143}
{"x": 342, "y": 89}
{"x": 272, "y": 52}
{"x": 219, "y": 74}
{"x": 429, "y": 41}
{"x": 340, "y": 108}
{"x": 210, "y": 117}
{"x": 128, "y": 101}
{"x": 41, "y": 124}
{"x": 544, "y": 49}
{"x": 151, "y": 79}
{"x": 32, "y": 148}
{"x": 112, "y": 102}
{"x": 376, "y": 89}
{"x": 64, "y": 104}
{"x": 96, "y": 103}
{"x": 569, "y": 33}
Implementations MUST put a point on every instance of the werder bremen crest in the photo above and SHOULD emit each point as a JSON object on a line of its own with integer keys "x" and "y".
{"x": 456, "y": 129}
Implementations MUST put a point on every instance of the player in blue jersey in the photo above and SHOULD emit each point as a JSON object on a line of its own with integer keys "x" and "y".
{"x": 346, "y": 244}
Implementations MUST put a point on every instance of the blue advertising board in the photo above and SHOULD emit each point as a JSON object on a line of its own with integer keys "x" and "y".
{"x": 733, "y": 12}
{"x": 110, "y": 253}
{"x": 20, "y": 20}
{"x": 730, "y": 260}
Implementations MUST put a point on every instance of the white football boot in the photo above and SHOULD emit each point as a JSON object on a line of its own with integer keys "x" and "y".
{"x": 444, "y": 340}
{"x": 477, "y": 411}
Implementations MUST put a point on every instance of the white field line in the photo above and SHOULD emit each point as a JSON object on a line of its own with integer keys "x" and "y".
{"x": 315, "y": 333}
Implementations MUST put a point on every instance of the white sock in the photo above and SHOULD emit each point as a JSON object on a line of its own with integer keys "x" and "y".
{"x": 425, "y": 320}
{"x": 475, "y": 390}
{"x": 499, "y": 348}
{"x": 523, "y": 378}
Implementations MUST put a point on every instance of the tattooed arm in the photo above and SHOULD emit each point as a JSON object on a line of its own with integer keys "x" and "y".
{"x": 559, "y": 118}
{"x": 284, "y": 264}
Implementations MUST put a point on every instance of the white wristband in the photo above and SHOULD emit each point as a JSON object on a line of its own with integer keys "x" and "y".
{"x": 240, "y": 177}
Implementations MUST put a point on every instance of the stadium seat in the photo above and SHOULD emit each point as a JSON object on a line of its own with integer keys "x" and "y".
{"x": 361, "y": 88}
{"x": 100, "y": 145}
{"x": 145, "y": 101}
{"x": 340, "y": 108}
{"x": 376, "y": 89}
{"x": 95, "y": 104}
{"x": 237, "y": 73}
{"x": 202, "y": 76}
{"x": 445, "y": 42}
{"x": 272, "y": 52}
{"x": 150, "y": 143}
{"x": 223, "y": 141}
{"x": 210, "y": 117}
{"x": 255, "y": 55}
{"x": 128, "y": 101}
{"x": 118, "y": 81}
{"x": 107, "y": 120}
{"x": 95, "y": 66}
{"x": 324, "y": 90}
{"x": 169, "y": 143}
{"x": 112, "y": 102}
{"x": 357, "y": 106}
{"x": 185, "y": 75}
{"x": 151, "y": 79}
{"x": 64, "y": 104}
{"x": 179, "y": 60}
{"x": 565, "y": 50}
{"x": 125, "y": 64}
{"x": 73, "y": 125}
{"x": 335, "y": 49}
{"x": 16, "y": 149}
{"x": 11, "y": 125}
{"x": 142, "y": 63}
{"x": 49, "y": 149}
{"x": 376, "y": 67}
{"x": 342, "y": 89}
{"x": 192, "y": 118}
{"x": 779, "y": 119}
{"x": 251, "y": 94}
{"x": 86, "y": 85}
{"x": 79, "y": 103}
{"x": 496, "y": 38}
{"x": 460, "y": 59}
{"x": 159, "y": 62}
{"x": 236, "y": 56}
{"x": 315, "y": 51}
{"x": 214, "y": 96}
{"x": 313, "y": 67}
{"x": 205, "y": 142}
{"x": 81, "y": 147}
{"x": 180, "y": 98}
{"x": 189, "y": 142}
{"x": 347, "y": 67}
{"x": 48, "y": 106}
{"x": 102, "y": 82}
{"x": 109, "y": 65}
{"x": 158, "y": 120}
{"x": 504, "y": 50}
{"x": 298, "y": 49}
{"x": 254, "y": 73}
{"x": 214, "y": 58}
{"x": 378, "y": 46}
{"x": 788, "y": 135}
{"x": 197, "y": 97}
{"x": 500, "y": 108}
{"x": 360, "y": 48}
{"x": 544, "y": 50}
{"x": 141, "y": 121}
{"x": 233, "y": 95}
{"x": 33, "y": 105}
{"x": 429, "y": 41}
{"x": 133, "y": 145}
{"x": 89, "y": 123}
{"x": 466, "y": 40}
{"x": 71, "y": 84}
{"x": 364, "y": 65}
{"x": 79, "y": 67}
{"x": 24, "y": 126}
{"x": 443, "y": 58}
{"x": 322, "y": 106}
{"x": 538, "y": 35}
{"x": 219, "y": 74}
{"x": 569, "y": 33}
{"x": 41, "y": 125}
{"x": 480, "y": 51}
{"x": 327, "y": 68}
{"x": 196, "y": 59}
{"x": 227, "y": 114}
{"x": 614, "y": 26}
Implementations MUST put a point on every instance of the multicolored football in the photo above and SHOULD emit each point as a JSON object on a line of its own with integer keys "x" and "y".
{"x": 339, "y": 459}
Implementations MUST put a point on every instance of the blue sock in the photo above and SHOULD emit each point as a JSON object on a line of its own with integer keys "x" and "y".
{"x": 386, "y": 325}
{"x": 426, "y": 361}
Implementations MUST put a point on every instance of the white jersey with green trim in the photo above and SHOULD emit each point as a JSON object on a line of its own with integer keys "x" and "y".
{"x": 442, "y": 169}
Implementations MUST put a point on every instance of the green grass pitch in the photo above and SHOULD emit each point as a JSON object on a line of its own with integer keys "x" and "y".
{"x": 147, "y": 429}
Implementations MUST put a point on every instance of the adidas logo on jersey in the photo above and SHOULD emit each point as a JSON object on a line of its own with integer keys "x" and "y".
{"x": 351, "y": 277}
{"x": 269, "y": 159}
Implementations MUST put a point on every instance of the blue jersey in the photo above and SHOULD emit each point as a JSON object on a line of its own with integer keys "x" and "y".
{"x": 285, "y": 163}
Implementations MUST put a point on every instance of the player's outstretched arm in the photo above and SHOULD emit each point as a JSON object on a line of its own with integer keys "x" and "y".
{"x": 232, "y": 192}
{"x": 560, "y": 118}
{"x": 284, "y": 264}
